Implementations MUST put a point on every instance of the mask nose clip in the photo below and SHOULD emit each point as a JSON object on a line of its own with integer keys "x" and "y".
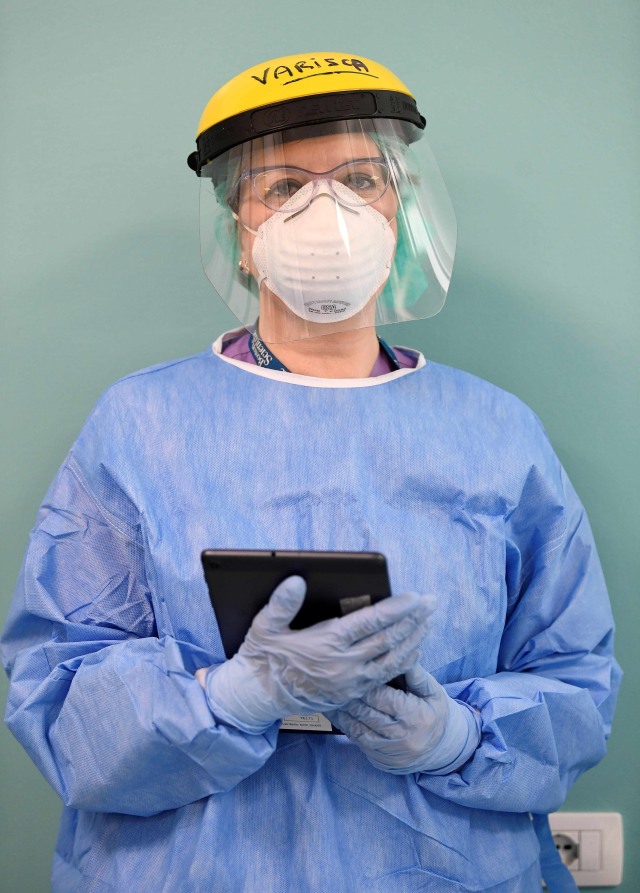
{"x": 319, "y": 187}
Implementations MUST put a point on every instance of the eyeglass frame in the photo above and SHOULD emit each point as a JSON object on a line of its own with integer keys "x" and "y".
{"x": 314, "y": 176}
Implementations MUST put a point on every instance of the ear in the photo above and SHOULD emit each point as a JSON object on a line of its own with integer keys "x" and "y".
{"x": 245, "y": 245}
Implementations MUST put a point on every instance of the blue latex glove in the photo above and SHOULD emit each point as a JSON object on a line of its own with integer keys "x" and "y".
{"x": 278, "y": 671}
{"x": 421, "y": 730}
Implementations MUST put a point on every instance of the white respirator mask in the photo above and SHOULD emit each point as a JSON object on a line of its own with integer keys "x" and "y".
{"x": 325, "y": 253}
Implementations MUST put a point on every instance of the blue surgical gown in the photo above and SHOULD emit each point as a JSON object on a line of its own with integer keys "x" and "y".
{"x": 454, "y": 481}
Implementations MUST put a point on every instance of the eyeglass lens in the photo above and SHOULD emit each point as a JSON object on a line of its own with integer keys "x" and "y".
{"x": 367, "y": 180}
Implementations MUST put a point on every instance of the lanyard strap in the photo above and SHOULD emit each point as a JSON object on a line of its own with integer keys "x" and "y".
{"x": 263, "y": 356}
{"x": 389, "y": 351}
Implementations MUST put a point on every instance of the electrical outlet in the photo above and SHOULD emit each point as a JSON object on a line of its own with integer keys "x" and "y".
{"x": 568, "y": 845}
{"x": 590, "y": 845}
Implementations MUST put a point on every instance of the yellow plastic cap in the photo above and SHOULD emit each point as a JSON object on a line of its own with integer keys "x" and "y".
{"x": 295, "y": 77}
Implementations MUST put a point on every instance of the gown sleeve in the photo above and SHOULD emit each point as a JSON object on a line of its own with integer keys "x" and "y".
{"x": 546, "y": 713}
{"x": 111, "y": 714}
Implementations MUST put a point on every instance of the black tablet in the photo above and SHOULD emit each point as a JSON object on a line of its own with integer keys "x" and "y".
{"x": 241, "y": 581}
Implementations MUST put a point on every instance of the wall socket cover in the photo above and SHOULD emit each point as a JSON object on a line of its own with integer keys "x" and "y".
{"x": 592, "y": 843}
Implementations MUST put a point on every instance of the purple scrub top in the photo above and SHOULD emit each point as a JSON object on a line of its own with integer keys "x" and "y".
{"x": 238, "y": 349}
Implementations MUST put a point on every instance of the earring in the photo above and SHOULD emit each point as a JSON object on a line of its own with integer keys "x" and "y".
{"x": 243, "y": 266}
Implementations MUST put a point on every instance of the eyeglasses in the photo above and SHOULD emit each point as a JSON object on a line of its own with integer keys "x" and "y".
{"x": 367, "y": 180}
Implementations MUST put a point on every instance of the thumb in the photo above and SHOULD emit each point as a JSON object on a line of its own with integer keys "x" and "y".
{"x": 420, "y": 683}
{"x": 284, "y": 604}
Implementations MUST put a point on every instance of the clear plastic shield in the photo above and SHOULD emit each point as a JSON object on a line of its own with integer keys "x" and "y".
{"x": 327, "y": 228}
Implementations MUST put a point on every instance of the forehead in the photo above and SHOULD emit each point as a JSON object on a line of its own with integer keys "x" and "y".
{"x": 319, "y": 153}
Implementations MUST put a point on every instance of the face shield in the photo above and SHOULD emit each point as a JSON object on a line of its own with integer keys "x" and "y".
{"x": 328, "y": 227}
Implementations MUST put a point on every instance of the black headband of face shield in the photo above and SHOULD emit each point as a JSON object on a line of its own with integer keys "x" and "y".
{"x": 311, "y": 110}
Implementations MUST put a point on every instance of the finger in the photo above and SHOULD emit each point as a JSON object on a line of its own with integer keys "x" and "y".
{"x": 368, "y": 621}
{"x": 284, "y": 604}
{"x": 384, "y": 670}
{"x": 366, "y": 724}
{"x": 430, "y": 601}
{"x": 419, "y": 682}
{"x": 387, "y": 701}
{"x": 378, "y": 709}
{"x": 351, "y": 727}
{"x": 397, "y": 639}
{"x": 399, "y": 659}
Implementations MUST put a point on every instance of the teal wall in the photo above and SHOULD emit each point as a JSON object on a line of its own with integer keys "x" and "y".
{"x": 533, "y": 115}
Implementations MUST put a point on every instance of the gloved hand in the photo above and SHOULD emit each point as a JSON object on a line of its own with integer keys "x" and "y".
{"x": 421, "y": 730}
{"x": 278, "y": 671}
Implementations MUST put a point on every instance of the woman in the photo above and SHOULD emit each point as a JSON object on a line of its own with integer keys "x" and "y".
{"x": 305, "y": 431}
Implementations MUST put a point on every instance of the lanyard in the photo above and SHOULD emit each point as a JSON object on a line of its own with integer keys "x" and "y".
{"x": 263, "y": 356}
{"x": 389, "y": 351}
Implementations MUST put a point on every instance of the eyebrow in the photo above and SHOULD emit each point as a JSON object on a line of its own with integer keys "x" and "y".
{"x": 296, "y": 167}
